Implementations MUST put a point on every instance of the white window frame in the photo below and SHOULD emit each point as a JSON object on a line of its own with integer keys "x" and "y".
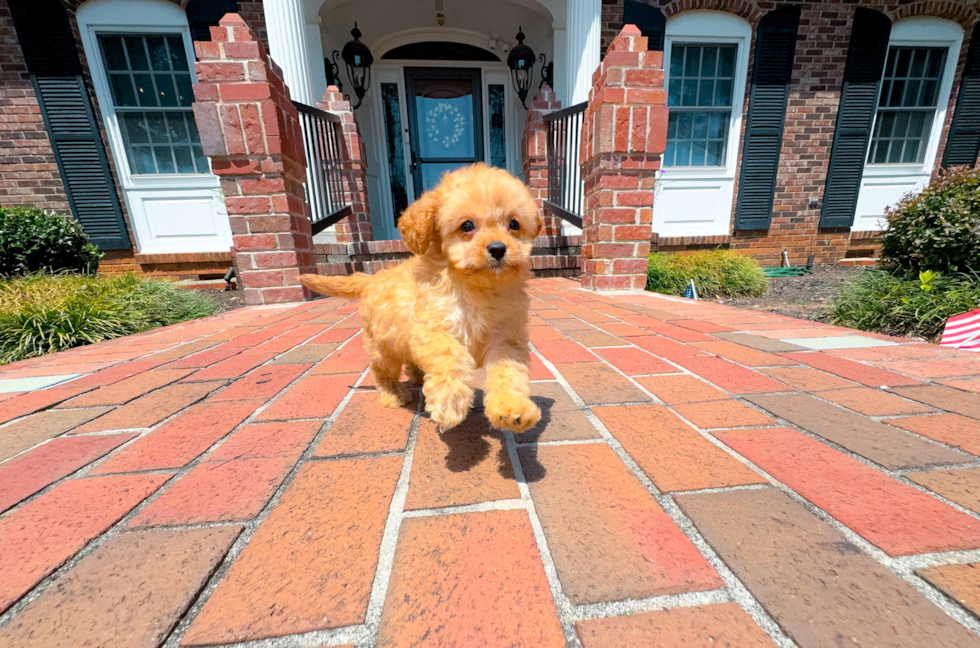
{"x": 883, "y": 185}
{"x": 716, "y": 182}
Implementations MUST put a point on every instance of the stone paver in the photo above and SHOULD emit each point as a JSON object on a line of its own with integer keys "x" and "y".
{"x": 821, "y": 589}
{"x": 469, "y": 580}
{"x": 660, "y": 453}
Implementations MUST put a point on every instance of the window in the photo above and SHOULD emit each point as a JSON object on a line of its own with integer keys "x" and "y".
{"x": 907, "y": 104}
{"x": 498, "y": 143}
{"x": 396, "y": 155}
{"x": 151, "y": 95}
{"x": 699, "y": 94}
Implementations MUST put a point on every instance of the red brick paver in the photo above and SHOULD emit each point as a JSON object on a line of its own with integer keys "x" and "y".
{"x": 222, "y": 482}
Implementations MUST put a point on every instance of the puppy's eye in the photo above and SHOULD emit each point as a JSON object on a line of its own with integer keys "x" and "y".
{"x": 468, "y": 227}
{"x": 514, "y": 225}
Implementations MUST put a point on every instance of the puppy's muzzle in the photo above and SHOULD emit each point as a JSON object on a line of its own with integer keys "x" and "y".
{"x": 497, "y": 250}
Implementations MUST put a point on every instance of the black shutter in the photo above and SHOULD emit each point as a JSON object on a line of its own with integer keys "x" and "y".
{"x": 774, "y": 50}
{"x": 855, "y": 115}
{"x": 56, "y": 74}
{"x": 649, "y": 20}
{"x": 963, "y": 143}
{"x": 204, "y": 14}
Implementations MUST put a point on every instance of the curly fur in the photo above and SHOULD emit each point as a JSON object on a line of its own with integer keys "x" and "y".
{"x": 453, "y": 308}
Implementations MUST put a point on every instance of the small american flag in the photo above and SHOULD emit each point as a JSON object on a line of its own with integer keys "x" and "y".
{"x": 690, "y": 293}
{"x": 963, "y": 331}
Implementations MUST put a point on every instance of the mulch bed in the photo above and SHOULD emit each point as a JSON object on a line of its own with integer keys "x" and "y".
{"x": 810, "y": 296}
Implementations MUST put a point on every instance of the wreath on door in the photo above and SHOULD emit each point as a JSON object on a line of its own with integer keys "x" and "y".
{"x": 445, "y": 124}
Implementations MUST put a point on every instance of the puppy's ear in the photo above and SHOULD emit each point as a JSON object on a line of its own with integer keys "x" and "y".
{"x": 418, "y": 225}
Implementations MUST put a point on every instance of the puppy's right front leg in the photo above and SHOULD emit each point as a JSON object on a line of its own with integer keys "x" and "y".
{"x": 448, "y": 368}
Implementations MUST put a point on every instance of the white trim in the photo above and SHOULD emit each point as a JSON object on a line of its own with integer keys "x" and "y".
{"x": 148, "y": 17}
{"x": 883, "y": 185}
{"x": 712, "y": 188}
{"x": 422, "y": 34}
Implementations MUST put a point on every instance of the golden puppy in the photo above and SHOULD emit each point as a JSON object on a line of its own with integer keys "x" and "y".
{"x": 457, "y": 305}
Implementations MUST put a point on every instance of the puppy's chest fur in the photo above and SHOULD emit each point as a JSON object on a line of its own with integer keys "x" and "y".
{"x": 477, "y": 318}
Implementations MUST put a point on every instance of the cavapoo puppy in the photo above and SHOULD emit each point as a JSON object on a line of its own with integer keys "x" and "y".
{"x": 458, "y": 304}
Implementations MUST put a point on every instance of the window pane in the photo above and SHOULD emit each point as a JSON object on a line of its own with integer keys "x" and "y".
{"x": 122, "y": 90}
{"x": 185, "y": 96}
{"x": 178, "y": 130}
{"x": 178, "y": 57}
{"x": 141, "y": 160}
{"x": 134, "y": 128}
{"x": 723, "y": 92}
{"x": 498, "y": 144}
{"x": 716, "y": 128}
{"x": 396, "y": 155}
{"x": 676, "y": 61}
{"x": 674, "y": 93}
{"x": 200, "y": 160}
{"x": 158, "y": 128}
{"x": 159, "y": 56}
{"x": 145, "y": 91}
{"x": 693, "y": 61}
{"x": 690, "y": 93}
{"x": 698, "y": 149}
{"x": 137, "y": 55}
{"x": 684, "y": 125}
{"x": 185, "y": 161}
{"x": 700, "y": 126}
{"x": 714, "y": 157}
{"x": 164, "y": 157}
{"x": 684, "y": 153}
{"x": 709, "y": 60}
{"x": 112, "y": 50}
{"x": 706, "y": 92}
{"x": 726, "y": 66}
{"x": 165, "y": 89}
{"x": 669, "y": 155}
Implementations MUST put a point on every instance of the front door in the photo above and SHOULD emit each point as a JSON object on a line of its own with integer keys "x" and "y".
{"x": 445, "y": 122}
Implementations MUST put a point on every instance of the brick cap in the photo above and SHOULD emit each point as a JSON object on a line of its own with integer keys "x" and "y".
{"x": 630, "y": 30}
{"x": 232, "y": 20}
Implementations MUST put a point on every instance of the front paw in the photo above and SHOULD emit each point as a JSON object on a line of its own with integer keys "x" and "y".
{"x": 513, "y": 412}
{"x": 447, "y": 403}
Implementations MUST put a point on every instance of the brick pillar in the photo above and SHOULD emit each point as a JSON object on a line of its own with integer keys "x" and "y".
{"x": 534, "y": 154}
{"x": 356, "y": 227}
{"x": 250, "y": 130}
{"x": 624, "y": 135}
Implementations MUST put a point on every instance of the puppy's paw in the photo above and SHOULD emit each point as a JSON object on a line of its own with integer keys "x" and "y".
{"x": 447, "y": 402}
{"x": 513, "y": 412}
{"x": 395, "y": 396}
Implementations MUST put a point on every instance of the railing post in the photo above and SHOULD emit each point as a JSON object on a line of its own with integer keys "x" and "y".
{"x": 624, "y": 134}
{"x": 250, "y": 130}
{"x": 356, "y": 227}
{"x": 534, "y": 149}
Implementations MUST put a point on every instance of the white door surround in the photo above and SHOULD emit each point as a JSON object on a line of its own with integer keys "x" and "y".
{"x": 884, "y": 185}
{"x": 169, "y": 212}
{"x": 697, "y": 200}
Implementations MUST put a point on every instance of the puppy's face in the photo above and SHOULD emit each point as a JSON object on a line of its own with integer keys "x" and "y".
{"x": 480, "y": 219}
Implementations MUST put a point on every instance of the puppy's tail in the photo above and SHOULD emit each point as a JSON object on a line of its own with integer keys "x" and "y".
{"x": 350, "y": 286}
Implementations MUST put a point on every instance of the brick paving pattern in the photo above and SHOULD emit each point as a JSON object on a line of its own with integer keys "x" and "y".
{"x": 698, "y": 478}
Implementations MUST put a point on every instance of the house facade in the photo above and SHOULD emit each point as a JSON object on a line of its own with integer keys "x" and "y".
{"x": 791, "y": 127}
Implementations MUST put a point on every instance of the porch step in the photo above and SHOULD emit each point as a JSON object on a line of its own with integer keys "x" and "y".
{"x": 858, "y": 261}
{"x": 206, "y": 284}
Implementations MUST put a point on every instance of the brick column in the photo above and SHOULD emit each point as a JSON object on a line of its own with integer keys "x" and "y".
{"x": 250, "y": 130}
{"x": 534, "y": 154}
{"x": 624, "y": 135}
{"x": 356, "y": 227}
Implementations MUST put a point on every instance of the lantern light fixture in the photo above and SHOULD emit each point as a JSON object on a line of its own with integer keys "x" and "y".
{"x": 358, "y": 60}
{"x": 521, "y": 63}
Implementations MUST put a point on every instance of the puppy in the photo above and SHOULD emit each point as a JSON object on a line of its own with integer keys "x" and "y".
{"x": 458, "y": 304}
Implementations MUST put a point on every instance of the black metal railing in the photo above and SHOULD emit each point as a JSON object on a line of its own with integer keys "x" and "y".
{"x": 323, "y": 141}
{"x": 565, "y": 190}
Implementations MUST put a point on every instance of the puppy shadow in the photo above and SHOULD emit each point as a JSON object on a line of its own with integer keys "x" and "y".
{"x": 534, "y": 471}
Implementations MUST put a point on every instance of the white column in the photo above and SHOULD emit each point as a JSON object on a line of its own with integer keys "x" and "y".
{"x": 315, "y": 44}
{"x": 584, "y": 22}
{"x": 288, "y": 46}
{"x": 560, "y": 60}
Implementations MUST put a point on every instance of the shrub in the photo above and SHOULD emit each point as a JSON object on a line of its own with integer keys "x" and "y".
{"x": 937, "y": 229}
{"x": 44, "y": 313}
{"x": 32, "y": 240}
{"x": 718, "y": 273}
{"x": 884, "y": 302}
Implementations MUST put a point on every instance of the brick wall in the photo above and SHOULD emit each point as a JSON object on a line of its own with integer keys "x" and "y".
{"x": 28, "y": 171}
{"x": 818, "y": 69}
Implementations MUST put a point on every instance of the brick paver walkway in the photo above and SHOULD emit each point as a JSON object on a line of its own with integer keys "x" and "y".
{"x": 703, "y": 475}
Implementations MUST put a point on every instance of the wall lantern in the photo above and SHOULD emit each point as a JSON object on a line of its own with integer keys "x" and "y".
{"x": 521, "y": 63}
{"x": 358, "y": 59}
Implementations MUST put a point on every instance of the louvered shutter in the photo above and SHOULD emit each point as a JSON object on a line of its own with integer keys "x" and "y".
{"x": 769, "y": 94}
{"x": 52, "y": 60}
{"x": 204, "y": 14}
{"x": 649, "y": 20}
{"x": 855, "y": 115}
{"x": 963, "y": 143}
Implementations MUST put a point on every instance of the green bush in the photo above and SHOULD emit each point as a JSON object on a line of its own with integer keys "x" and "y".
{"x": 32, "y": 240}
{"x": 42, "y": 313}
{"x": 884, "y": 302}
{"x": 718, "y": 273}
{"x": 937, "y": 229}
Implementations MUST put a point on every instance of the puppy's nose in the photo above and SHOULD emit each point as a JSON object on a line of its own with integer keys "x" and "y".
{"x": 497, "y": 250}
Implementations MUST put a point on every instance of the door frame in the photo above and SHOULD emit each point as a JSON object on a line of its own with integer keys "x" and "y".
{"x": 393, "y": 71}
{"x": 472, "y": 74}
